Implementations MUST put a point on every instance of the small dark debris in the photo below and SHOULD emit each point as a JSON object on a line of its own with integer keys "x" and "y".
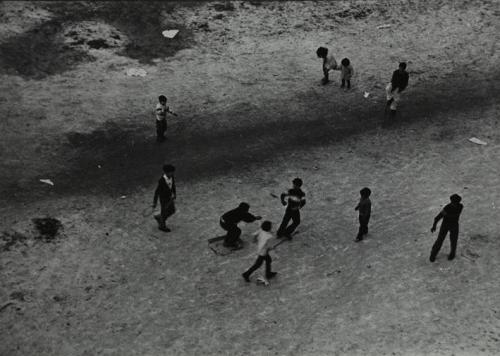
{"x": 203, "y": 26}
{"x": 79, "y": 42}
{"x": 17, "y": 296}
{"x": 47, "y": 227}
{"x": 11, "y": 239}
{"x": 88, "y": 288}
{"x": 59, "y": 298}
{"x": 369, "y": 266}
{"x": 219, "y": 16}
{"x": 116, "y": 36}
{"x": 227, "y": 6}
{"x": 98, "y": 44}
{"x": 72, "y": 34}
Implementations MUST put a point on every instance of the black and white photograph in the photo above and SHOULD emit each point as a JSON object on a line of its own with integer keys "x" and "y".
{"x": 229, "y": 177}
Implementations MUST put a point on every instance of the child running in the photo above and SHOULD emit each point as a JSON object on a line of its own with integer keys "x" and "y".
{"x": 264, "y": 239}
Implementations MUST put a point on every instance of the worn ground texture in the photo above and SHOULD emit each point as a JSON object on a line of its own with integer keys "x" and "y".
{"x": 245, "y": 80}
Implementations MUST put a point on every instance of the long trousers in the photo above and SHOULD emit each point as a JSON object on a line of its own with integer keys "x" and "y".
{"x": 258, "y": 263}
{"x": 161, "y": 128}
{"x": 444, "y": 229}
{"x": 284, "y": 229}
{"x": 167, "y": 210}
{"x": 233, "y": 233}
{"x": 363, "y": 226}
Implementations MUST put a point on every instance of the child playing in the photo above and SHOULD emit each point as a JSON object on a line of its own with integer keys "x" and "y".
{"x": 329, "y": 62}
{"x": 161, "y": 118}
{"x": 264, "y": 239}
{"x": 450, "y": 215}
{"x": 296, "y": 200}
{"x": 399, "y": 82}
{"x": 365, "y": 208}
{"x": 229, "y": 222}
{"x": 346, "y": 73}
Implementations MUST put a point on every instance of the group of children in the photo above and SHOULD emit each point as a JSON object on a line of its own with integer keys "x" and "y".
{"x": 398, "y": 84}
{"x": 294, "y": 198}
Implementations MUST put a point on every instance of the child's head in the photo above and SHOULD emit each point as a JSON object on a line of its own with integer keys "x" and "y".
{"x": 455, "y": 198}
{"x": 297, "y": 182}
{"x": 162, "y": 99}
{"x": 168, "y": 169}
{"x": 345, "y": 62}
{"x": 402, "y": 65}
{"x": 365, "y": 192}
{"x": 244, "y": 206}
{"x": 266, "y": 226}
{"x": 322, "y": 52}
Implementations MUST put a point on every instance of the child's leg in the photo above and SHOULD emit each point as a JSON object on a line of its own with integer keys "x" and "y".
{"x": 269, "y": 273}
{"x": 255, "y": 267}
{"x": 284, "y": 223}
{"x": 343, "y": 83}
{"x": 453, "y": 243}
{"x": 439, "y": 242}
{"x": 295, "y": 215}
{"x": 348, "y": 84}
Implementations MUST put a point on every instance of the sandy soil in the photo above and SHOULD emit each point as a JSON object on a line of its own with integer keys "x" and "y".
{"x": 252, "y": 115}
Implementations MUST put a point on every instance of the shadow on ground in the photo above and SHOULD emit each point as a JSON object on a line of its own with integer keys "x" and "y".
{"x": 118, "y": 159}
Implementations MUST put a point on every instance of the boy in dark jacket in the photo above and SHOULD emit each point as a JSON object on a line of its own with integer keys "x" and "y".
{"x": 294, "y": 199}
{"x": 167, "y": 194}
{"x": 365, "y": 209}
{"x": 450, "y": 215}
{"x": 399, "y": 82}
{"x": 229, "y": 222}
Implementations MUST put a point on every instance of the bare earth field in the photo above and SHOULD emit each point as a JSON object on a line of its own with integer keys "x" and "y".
{"x": 245, "y": 81}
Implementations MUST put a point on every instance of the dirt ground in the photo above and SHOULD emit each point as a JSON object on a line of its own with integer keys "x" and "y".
{"x": 94, "y": 276}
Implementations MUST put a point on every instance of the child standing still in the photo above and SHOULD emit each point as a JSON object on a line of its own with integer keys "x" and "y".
{"x": 329, "y": 62}
{"x": 264, "y": 239}
{"x": 365, "y": 209}
{"x": 346, "y": 73}
{"x": 161, "y": 117}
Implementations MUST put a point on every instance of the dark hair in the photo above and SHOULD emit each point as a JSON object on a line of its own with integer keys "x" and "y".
{"x": 345, "y": 62}
{"x": 402, "y": 65}
{"x": 244, "y": 206}
{"x": 455, "y": 198}
{"x": 167, "y": 168}
{"x": 297, "y": 182}
{"x": 266, "y": 225}
{"x": 322, "y": 52}
{"x": 162, "y": 98}
{"x": 365, "y": 192}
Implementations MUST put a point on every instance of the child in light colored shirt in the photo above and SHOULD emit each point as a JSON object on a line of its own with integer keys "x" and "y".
{"x": 329, "y": 62}
{"x": 346, "y": 73}
{"x": 264, "y": 240}
{"x": 161, "y": 111}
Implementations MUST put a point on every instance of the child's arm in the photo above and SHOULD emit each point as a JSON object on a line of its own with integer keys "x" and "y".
{"x": 171, "y": 112}
{"x": 283, "y": 197}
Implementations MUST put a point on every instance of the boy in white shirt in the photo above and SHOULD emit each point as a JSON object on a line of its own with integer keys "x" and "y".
{"x": 161, "y": 111}
{"x": 264, "y": 240}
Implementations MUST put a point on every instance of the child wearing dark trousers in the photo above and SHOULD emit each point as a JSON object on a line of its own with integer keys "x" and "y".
{"x": 365, "y": 209}
{"x": 450, "y": 215}
{"x": 264, "y": 239}
{"x": 294, "y": 200}
{"x": 229, "y": 222}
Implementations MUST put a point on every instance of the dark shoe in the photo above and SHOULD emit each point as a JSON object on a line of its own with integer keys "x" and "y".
{"x": 432, "y": 258}
{"x": 245, "y": 277}
{"x": 451, "y": 257}
{"x": 271, "y": 275}
{"x": 164, "y": 229}
{"x": 358, "y": 239}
